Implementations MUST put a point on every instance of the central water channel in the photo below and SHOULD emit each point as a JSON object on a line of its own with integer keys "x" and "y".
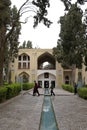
{"x": 48, "y": 119}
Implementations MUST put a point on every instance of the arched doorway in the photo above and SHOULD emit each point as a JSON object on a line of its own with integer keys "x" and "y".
{"x": 25, "y": 77}
{"x": 46, "y": 82}
{"x": 46, "y": 69}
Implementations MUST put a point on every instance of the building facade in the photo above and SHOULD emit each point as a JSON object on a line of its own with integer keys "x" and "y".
{"x": 40, "y": 65}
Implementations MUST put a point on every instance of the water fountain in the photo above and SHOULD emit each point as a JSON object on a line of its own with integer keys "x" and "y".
{"x": 48, "y": 119}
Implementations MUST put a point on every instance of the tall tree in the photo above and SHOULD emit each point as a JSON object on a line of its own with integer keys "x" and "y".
{"x": 72, "y": 46}
{"x": 4, "y": 23}
{"x": 29, "y": 44}
{"x": 8, "y": 22}
{"x": 85, "y": 21}
{"x": 11, "y": 48}
{"x": 26, "y": 44}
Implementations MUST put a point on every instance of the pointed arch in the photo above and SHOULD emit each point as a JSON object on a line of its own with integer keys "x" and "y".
{"x": 46, "y": 57}
{"x": 25, "y": 77}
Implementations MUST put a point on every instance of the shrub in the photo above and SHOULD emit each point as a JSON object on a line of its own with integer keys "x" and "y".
{"x": 17, "y": 89}
{"x": 27, "y": 86}
{"x": 10, "y": 91}
{"x": 68, "y": 87}
{"x": 82, "y": 92}
{"x": 85, "y": 86}
{"x": 13, "y": 90}
{"x": 3, "y": 92}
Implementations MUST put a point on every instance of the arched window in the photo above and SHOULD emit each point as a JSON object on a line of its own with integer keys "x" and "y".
{"x": 24, "y": 57}
{"x": 23, "y": 62}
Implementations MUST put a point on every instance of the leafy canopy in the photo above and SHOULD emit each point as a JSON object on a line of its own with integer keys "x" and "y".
{"x": 72, "y": 45}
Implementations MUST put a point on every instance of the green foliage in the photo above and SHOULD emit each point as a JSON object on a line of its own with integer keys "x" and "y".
{"x": 82, "y": 92}
{"x": 4, "y": 12}
{"x": 68, "y": 87}
{"x": 10, "y": 26}
{"x": 85, "y": 85}
{"x": 4, "y": 23}
{"x": 3, "y": 93}
{"x": 12, "y": 41}
{"x": 26, "y": 45}
{"x": 13, "y": 90}
{"x": 42, "y": 12}
{"x": 68, "y": 3}
{"x": 27, "y": 86}
{"x": 58, "y": 51}
{"x": 72, "y": 45}
{"x": 11, "y": 46}
{"x": 29, "y": 44}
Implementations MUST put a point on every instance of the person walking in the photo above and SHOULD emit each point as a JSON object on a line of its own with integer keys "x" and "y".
{"x": 75, "y": 88}
{"x": 35, "y": 90}
{"x": 52, "y": 87}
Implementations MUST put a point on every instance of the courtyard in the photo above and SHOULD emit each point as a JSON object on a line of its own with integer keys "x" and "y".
{"x": 24, "y": 111}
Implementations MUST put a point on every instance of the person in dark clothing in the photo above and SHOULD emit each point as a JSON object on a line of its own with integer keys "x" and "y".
{"x": 75, "y": 88}
{"x": 35, "y": 90}
{"x": 52, "y": 87}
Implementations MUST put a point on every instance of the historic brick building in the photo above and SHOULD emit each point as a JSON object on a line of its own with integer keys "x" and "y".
{"x": 40, "y": 65}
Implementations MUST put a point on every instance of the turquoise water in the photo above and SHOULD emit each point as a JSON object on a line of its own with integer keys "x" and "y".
{"x": 48, "y": 121}
{"x": 46, "y": 91}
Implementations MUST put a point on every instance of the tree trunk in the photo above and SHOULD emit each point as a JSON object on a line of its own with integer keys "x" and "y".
{"x": 2, "y": 50}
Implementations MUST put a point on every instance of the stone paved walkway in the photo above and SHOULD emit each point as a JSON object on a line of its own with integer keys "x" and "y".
{"x": 71, "y": 112}
{"x": 23, "y": 112}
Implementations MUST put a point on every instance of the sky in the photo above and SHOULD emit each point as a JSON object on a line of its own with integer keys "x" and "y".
{"x": 42, "y": 37}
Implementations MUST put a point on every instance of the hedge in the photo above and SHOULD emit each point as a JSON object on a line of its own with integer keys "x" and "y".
{"x": 3, "y": 93}
{"x": 27, "y": 86}
{"x": 82, "y": 92}
{"x": 68, "y": 87}
{"x": 11, "y": 90}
